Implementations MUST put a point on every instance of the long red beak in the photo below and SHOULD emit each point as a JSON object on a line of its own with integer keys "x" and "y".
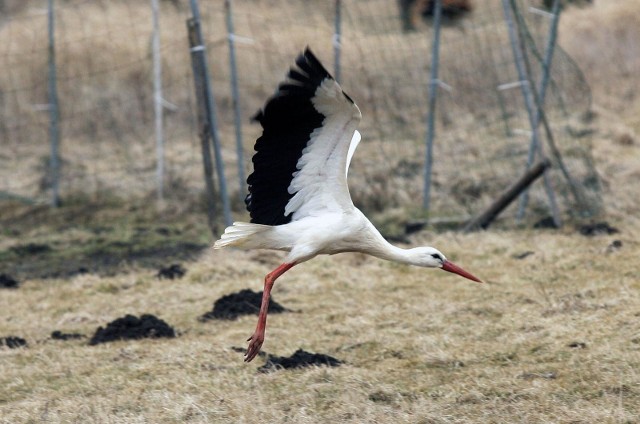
{"x": 451, "y": 267}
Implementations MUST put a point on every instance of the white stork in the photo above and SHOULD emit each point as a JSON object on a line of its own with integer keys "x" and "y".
{"x": 298, "y": 198}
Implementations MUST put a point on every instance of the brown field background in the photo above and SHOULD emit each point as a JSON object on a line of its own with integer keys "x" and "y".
{"x": 107, "y": 125}
{"x": 550, "y": 337}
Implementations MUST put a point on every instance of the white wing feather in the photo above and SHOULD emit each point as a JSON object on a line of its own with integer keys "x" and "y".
{"x": 352, "y": 149}
{"x": 320, "y": 184}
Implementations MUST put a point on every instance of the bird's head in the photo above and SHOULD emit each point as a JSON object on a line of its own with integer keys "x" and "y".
{"x": 430, "y": 257}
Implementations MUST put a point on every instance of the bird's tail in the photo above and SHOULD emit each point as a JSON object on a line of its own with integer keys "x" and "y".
{"x": 240, "y": 234}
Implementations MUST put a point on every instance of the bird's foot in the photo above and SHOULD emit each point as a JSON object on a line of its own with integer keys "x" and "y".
{"x": 255, "y": 343}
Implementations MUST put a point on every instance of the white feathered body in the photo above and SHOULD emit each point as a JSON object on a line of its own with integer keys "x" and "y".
{"x": 298, "y": 199}
{"x": 323, "y": 217}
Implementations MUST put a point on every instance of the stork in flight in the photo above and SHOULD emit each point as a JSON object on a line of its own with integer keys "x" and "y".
{"x": 298, "y": 198}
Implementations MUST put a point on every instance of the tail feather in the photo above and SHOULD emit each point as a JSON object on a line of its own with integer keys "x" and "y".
{"x": 240, "y": 234}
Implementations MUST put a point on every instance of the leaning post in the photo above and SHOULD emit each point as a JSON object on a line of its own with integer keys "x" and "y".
{"x": 210, "y": 104}
{"x": 526, "y": 88}
{"x": 197, "y": 66}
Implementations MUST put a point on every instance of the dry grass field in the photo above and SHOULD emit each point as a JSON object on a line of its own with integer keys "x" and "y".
{"x": 553, "y": 336}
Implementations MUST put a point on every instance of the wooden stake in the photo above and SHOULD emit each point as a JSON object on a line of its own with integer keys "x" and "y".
{"x": 203, "y": 124}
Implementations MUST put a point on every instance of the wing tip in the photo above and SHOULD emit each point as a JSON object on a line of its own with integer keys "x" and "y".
{"x": 311, "y": 59}
{"x": 308, "y": 57}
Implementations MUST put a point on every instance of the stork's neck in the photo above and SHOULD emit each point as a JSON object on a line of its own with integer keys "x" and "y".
{"x": 398, "y": 254}
{"x": 374, "y": 244}
{"x": 385, "y": 250}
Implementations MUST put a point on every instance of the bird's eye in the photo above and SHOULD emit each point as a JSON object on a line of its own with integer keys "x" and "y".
{"x": 436, "y": 256}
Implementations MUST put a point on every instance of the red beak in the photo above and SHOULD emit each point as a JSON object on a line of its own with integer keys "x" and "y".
{"x": 451, "y": 267}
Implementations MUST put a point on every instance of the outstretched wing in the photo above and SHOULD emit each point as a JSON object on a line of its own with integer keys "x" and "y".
{"x": 309, "y": 136}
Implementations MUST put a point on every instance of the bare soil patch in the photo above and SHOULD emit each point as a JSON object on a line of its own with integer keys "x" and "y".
{"x": 8, "y": 282}
{"x": 172, "y": 272}
{"x": 132, "y": 327}
{"x": 103, "y": 238}
{"x": 59, "y": 335}
{"x": 12, "y": 342}
{"x": 300, "y": 359}
{"x": 244, "y": 302}
{"x": 597, "y": 228}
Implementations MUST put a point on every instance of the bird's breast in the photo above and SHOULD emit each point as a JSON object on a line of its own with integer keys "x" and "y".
{"x": 326, "y": 234}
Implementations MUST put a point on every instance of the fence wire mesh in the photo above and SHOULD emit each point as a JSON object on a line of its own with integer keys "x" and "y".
{"x": 105, "y": 90}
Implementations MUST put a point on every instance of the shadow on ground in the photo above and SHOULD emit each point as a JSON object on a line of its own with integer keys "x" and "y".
{"x": 41, "y": 242}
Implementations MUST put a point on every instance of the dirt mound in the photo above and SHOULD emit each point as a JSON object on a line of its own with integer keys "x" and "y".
{"x": 596, "y": 229}
{"x": 546, "y": 222}
{"x": 300, "y": 359}
{"x": 30, "y": 249}
{"x": 13, "y": 342}
{"x": 59, "y": 335}
{"x": 8, "y": 282}
{"x": 132, "y": 327}
{"x": 613, "y": 246}
{"x": 244, "y": 302}
{"x": 172, "y": 272}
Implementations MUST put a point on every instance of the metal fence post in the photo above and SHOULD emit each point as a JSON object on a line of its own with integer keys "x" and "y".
{"x": 237, "y": 114}
{"x": 433, "y": 87}
{"x": 157, "y": 100}
{"x": 525, "y": 86}
{"x": 211, "y": 115}
{"x": 337, "y": 40}
{"x": 541, "y": 94}
{"x": 54, "y": 116}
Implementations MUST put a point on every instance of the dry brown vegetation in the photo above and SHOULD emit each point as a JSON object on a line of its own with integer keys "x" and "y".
{"x": 553, "y": 335}
{"x": 104, "y": 69}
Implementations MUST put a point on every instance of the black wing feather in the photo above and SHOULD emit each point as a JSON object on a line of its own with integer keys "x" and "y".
{"x": 287, "y": 119}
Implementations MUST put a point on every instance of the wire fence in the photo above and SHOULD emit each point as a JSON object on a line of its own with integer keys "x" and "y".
{"x": 107, "y": 126}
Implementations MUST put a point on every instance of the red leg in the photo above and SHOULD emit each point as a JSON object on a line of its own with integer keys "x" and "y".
{"x": 257, "y": 338}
